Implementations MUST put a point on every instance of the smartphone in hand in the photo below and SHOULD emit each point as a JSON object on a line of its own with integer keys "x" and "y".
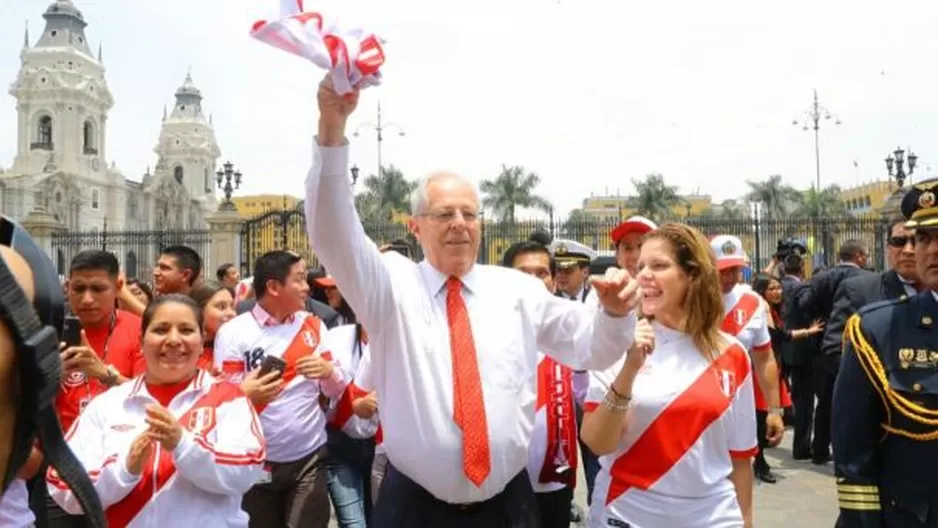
{"x": 272, "y": 363}
{"x": 71, "y": 331}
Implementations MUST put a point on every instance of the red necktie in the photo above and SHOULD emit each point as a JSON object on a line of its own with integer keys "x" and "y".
{"x": 468, "y": 406}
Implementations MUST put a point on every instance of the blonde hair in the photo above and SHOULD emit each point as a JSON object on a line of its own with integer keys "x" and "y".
{"x": 703, "y": 300}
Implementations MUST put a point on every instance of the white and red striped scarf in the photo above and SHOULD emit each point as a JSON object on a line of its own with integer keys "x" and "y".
{"x": 352, "y": 54}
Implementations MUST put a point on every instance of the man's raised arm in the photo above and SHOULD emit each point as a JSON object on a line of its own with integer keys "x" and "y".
{"x": 335, "y": 231}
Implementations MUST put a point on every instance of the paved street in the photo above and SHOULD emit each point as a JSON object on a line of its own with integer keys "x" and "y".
{"x": 804, "y": 495}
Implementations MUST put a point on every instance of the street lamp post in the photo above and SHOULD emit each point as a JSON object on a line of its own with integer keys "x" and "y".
{"x": 225, "y": 175}
{"x": 898, "y": 160}
{"x": 812, "y": 120}
{"x": 379, "y": 127}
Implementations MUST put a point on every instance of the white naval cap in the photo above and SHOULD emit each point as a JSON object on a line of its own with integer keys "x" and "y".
{"x": 568, "y": 253}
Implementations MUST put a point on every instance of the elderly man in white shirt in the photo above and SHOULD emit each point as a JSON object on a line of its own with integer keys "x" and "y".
{"x": 457, "y": 445}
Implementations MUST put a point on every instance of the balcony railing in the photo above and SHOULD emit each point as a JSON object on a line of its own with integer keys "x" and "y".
{"x": 41, "y": 145}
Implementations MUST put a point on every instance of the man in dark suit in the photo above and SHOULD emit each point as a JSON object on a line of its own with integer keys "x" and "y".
{"x": 856, "y": 292}
{"x": 816, "y": 302}
{"x": 797, "y": 356}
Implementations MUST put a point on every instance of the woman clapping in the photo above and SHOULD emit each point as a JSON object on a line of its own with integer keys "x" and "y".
{"x": 174, "y": 446}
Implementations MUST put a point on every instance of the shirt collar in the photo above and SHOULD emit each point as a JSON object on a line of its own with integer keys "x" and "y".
{"x": 140, "y": 387}
{"x": 263, "y": 318}
{"x": 436, "y": 281}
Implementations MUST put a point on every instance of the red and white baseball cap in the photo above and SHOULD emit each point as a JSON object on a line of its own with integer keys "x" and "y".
{"x": 634, "y": 224}
{"x": 729, "y": 252}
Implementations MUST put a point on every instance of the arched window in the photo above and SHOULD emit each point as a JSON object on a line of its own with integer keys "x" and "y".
{"x": 88, "y": 138}
{"x": 177, "y": 173}
{"x": 44, "y": 134}
{"x": 208, "y": 181}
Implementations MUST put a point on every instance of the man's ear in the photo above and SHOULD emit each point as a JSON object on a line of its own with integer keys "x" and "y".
{"x": 414, "y": 227}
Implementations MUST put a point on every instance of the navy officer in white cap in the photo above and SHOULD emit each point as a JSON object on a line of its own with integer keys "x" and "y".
{"x": 573, "y": 268}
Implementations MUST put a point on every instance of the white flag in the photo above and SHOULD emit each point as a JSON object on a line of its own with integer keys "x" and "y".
{"x": 351, "y": 54}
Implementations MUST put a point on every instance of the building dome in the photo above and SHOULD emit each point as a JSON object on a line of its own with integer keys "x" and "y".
{"x": 64, "y": 8}
{"x": 188, "y": 89}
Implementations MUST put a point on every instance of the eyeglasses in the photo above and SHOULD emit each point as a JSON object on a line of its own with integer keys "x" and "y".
{"x": 447, "y": 216}
{"x": 901, "y": 241}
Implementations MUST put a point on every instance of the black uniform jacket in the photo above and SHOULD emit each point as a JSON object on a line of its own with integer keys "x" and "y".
{"x": 885, "y": 419}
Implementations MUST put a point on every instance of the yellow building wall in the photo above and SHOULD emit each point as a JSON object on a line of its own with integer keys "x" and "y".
{"x": 267, "y": 232}
{"x": 616, "y": 207}
{"x": 867, "y": 197}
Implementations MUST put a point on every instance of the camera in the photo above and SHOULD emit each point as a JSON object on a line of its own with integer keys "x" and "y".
{"x": 790, "y": 246}
{"x": 790, "y": 253}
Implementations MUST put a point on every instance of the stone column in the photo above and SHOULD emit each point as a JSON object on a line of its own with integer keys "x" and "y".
{"x": 42, "y": 226}
{"x": 225, "y": 231}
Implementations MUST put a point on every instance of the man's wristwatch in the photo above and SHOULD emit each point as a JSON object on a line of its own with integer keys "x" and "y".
{"x": 777, "y": 411}
{"x": 111, "y": 376}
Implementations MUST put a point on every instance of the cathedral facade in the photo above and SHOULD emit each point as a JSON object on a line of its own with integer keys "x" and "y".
{"x": 61, "y": 163}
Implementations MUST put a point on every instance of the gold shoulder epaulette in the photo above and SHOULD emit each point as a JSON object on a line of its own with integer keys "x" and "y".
{"x": 872, "y": 365}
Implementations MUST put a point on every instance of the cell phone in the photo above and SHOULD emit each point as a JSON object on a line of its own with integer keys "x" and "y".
{"x": 272, "y": 363}
{"x": 71, "y": 331}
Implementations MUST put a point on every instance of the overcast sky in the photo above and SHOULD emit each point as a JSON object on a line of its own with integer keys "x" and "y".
{"x": 589, "y": 94}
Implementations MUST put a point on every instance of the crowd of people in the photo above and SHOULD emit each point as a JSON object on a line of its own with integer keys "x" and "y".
{"x": 401, "y": 394}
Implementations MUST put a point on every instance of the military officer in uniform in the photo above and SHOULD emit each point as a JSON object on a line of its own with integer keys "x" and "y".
{"x": 885, "y": 420}
{"x": 573, "y": 268}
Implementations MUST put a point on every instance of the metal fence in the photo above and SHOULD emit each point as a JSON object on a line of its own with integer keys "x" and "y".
{"x": 760, "y": 237}
{"x": 286, "y": 229}
{"x": 136, "y": 250}
{"x": 823, "y": 236}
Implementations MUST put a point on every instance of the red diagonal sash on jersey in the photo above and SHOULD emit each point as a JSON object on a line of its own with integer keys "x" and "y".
{"x": 737, "y": 318}
{"x": 122, "y": 513}
{"x": 679, "y": 425}
{"x": 343, "y": 408}
{"x": 305, "y": 343}
{"x": 560, "y": 420}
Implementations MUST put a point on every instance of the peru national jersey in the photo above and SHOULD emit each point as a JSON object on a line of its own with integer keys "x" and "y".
{"x": 745, "y": 318}
{"x": 350, "y": 352}
{"x": 688, "y": 419}
{"x": 200, "y": 483}
{"x": 294, "y": 422}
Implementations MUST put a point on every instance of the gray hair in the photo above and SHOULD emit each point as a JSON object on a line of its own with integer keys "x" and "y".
{"x": 420, "y": 199}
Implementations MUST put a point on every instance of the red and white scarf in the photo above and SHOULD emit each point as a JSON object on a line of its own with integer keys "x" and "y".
{"x": 555, "y": 391}
{"x": 352, "y": 54}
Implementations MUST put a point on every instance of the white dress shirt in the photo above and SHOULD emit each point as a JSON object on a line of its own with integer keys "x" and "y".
{"x": 403, "y": 307}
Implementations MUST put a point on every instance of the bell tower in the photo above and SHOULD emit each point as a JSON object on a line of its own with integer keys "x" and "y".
{"x": 187, "y": 148}
{"x": 62, "y": 100}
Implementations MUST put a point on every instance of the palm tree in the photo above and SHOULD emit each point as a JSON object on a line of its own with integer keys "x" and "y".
{"x": 514, "y": 187}
{"x": 777, "y": 198}
{"x": 728, "y": 210}
{"x": 821, "y": 204}
{"x": 387, "y": 194}
{"x": 655, "y": 199}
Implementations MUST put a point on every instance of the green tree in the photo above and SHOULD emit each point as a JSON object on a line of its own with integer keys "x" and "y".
{"x": 821, "y": 204}
{"x": 778, "y": 199}
{"x": 513, "y": 188}
{"x": 385, "y": 195}
{"x": 655, "y": 199}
